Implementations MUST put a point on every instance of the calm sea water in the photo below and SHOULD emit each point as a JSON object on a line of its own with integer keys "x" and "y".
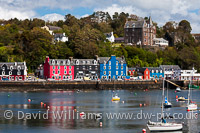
{"x": 69, "y": 104}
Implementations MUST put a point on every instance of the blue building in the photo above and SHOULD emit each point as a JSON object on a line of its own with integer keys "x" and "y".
{"x": 112, "y": 67}
{"x": 156, "y": 72}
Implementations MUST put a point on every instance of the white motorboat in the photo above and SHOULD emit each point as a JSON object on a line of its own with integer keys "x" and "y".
{"x": 178, "y": 89}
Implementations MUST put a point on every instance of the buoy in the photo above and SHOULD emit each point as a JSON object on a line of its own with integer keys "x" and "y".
{"x": 101, "y": 124}
{"x": 29, "y": 100}
{"x": 144, "y": 130}
{"x": 41, "y": 103}
{"x": 175, "y": 91}
{"x": 82, "y": 113}
{"x": 146, "y": 89}
{"x": 176, "y": 97}
{"x": 140, "y": 105}
{"x": 75, "y": 110}
{"x": 8, "y": 95}
{"x": 44, "y": 105}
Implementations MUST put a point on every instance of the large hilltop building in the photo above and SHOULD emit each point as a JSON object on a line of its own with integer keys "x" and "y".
{"x": 140, "y": 32}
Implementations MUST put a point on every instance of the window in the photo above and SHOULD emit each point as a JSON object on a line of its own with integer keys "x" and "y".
{"x": 13, "y": 78}
{"x": 20, "y": 77}
{"x": 104, "y": 67}
{"x": 121, "y": 67}
{"x": 156, "y": 71}
{"x": 109, "y": 62}
{"x": 121, "y": 72}
{"x": 52, "y": 77}
{"x": 53, "y": 67}
{"x": 70, "y": 72}
{"x": 3, "y": 72}
{"x": 70, "y": 67}
{"x": 53, "y": 72}
{"x": 152, "y": 71}
{"x": 65, "y": 67}
{"x": 58, "y": 71}
{"x": 116, "y": 62}
{"x": 95, "y": 62}
{"x": 109, "y": 67}
{"x": 109, "y": 72}
{"x": 3, "y": 68}
{"x": 65, "y": 72}
{"x": 63, "y": 76}
{"x": 10, "y": 73}
{"x": 59, "y": 77}
{"x": 58, "y": 62}
{"x": 18, "y": 67}
{"x": 160, "y": 71}
{"x": 88, "y": 62}
{"x": 104, "y": 72}
{"x": 58, "y": 67}
{"x": 18, "y": 73}
{"x": 146, "y": 72}
{"x": 53, "y": 62}
{"x": 77, "y": 62}
{"x": 70, "y": 76}
{"x": 11, "y": 67}
{"x": 117, "y": 67}
{"x": 116, "y": 72}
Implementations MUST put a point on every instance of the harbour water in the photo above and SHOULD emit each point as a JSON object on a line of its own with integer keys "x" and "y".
{"x": 60, "y": 111}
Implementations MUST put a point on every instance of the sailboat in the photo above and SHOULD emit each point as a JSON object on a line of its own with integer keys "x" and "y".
{"x": 167, "y": 104}
{"x": 191, "y": 106}
{"x": 163, "y": 125}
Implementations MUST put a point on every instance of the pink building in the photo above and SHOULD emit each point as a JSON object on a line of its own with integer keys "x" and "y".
{"x": 58, "y": 69}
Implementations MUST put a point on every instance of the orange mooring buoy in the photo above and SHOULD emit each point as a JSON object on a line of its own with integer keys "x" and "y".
{"x": 29, "y": 100}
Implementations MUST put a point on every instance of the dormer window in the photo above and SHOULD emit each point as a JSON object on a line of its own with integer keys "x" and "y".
{"x": 53, "y": 62}
{"x": 3, "y": 68}
{"x": 18, "y": 67}
{"x": 11, "y": 67}
{"x": 77, "y": 62}
{"x": 88, "y": 62}
{"x": 3, "y": 72}
{"x": 10, "y": 73}
{"x": 18, "y": 73}
{"x": 95, "y": 62}
{"x": 83, "y": 62}
{"x": 68, "y": 62}
{"x": 58, "y": 62}
{"x": 133, "y": 25}
{"x": 127, "y": 25}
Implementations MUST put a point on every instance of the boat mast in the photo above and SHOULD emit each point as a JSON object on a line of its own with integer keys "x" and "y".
{"x": 163, "y": 93}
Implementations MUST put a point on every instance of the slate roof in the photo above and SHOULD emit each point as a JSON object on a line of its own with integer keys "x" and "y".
{"x": 134, "y": 24}
{"x": 102, "y": 59}
{"x": 170, "y": 67}
{"x": 53, "y": 28}
{"x": 85, "y": 61}
{"x": 132, "y": 68}
{"x": 60, "y": 62}
{"x": 141, "y": 69}
{"x": 14, "y": 64}
{"x": 154, "y": 68}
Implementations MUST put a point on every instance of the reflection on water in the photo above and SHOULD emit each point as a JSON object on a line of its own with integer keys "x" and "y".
{"x": 61, "y": 111}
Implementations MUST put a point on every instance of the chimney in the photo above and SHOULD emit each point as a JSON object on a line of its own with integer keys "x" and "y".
{"x": 47, "y": 59}
{"x": 71, "y": 58}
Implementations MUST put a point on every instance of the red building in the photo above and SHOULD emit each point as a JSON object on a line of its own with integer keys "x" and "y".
{"x": 58, "y": 69}
{"x": 144, "y": 72}
{"x": 131, "y": 71}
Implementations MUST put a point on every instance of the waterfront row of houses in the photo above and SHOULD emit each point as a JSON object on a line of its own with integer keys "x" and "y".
{"x": 99, "y": 68}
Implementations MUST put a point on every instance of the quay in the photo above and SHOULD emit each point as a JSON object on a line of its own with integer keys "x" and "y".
{"x": 85, "y": 85}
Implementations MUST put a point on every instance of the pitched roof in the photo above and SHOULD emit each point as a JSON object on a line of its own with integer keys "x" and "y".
{"x": 85, "y": 61}
{"x": 53, "y": 28}
{"x": 106, "y": 59}
{"x": 14, "y": 64}
{"x": 60, "y": 62}
{"x": 134, "y": 24}
{"x": 154, "y": 68}
{"x": 141, "y": 69}
{"x": 131, "y": 69}
{"x": 170, "y": 67}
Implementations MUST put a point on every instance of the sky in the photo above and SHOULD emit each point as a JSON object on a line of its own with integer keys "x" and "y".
{"x": 161, "y": 11}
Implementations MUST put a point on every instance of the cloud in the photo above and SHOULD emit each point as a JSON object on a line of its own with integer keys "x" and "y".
{"x": 53, "y": 17}
{"x": 160, "y": 10}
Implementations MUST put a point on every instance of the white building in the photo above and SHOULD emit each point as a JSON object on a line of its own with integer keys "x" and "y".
{"x": 160, "y": 42}
{"x": 110, "y": 37}
{"x": 189, "y": 75}
{"x": 171, "y": 71}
